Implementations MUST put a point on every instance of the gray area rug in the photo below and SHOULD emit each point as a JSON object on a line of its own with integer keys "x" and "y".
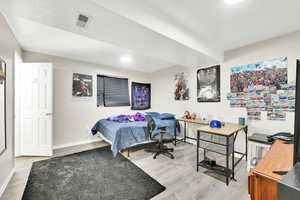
{"x": 89, "y": 175}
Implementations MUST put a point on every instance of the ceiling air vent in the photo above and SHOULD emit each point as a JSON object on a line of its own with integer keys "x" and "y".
{"x": 82, "y": 21}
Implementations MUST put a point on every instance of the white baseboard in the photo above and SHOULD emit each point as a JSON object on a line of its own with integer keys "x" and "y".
{"x": 76, "y": 143}
{"x": 6, "y": 182}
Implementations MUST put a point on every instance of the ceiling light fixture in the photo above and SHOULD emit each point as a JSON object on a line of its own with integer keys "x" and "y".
{"x": 126, "y": 59}
{"x": 232, "y": 2}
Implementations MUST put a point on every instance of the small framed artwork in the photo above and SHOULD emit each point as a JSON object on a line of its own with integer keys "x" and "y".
{"x": 82, "y": 85}
{"x": 208, "y": 84}
{"x": 3, "y": 142}
{"x": 140, "y": 96}
{"x": 181, "y": 87}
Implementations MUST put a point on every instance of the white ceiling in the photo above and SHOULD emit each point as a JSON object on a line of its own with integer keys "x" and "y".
{"x": 156, "y": 33}
{"x": 211, "y": 21}
{"x": 45, "y": 39}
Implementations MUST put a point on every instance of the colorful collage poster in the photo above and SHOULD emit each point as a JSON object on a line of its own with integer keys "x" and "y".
{"x": 262, "y": 86}
{"x": 276, "y": 115}
{"x": 237, "y": 100}
{"x": 284, "y": 100}
{"x": 259, "y": 76}
{"x": 253, "y": 115}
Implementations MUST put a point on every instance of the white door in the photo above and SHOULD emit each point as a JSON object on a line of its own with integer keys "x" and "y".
{"x": 36, "y": 109}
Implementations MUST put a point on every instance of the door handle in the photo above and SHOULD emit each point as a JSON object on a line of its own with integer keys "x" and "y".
{"x": 49, "y": 114}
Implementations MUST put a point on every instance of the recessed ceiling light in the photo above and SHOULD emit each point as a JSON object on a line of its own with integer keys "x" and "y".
{"x": 126, "y": 59}
{"x": 232, "y": 2}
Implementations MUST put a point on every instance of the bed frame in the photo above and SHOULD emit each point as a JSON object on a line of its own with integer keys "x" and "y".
{"x": 100, "y": 135}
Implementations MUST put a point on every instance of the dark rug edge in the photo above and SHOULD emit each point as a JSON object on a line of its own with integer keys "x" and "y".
{"x": 163, "y": 188}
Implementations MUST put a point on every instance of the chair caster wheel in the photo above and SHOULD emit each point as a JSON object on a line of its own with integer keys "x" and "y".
{"x": 172, "y": 157}
{"x": 154, "y": 157}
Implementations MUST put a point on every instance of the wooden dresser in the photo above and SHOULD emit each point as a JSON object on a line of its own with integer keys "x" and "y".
{"x": 262, "y": 182}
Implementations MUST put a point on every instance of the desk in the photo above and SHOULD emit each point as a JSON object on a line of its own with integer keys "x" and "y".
{"x": 229, "y": 132}
{"x": 262, "y": 182}
{"x": 191, "y": 121}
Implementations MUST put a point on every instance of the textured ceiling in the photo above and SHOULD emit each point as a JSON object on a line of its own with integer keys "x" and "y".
{"x": 157, "y": 34}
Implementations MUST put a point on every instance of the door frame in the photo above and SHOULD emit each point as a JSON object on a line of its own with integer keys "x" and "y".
{"x": 18, "y": 60}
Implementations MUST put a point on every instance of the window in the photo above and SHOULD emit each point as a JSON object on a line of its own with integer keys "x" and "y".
{"x": 112, "y": 91}
{"x": 100, "y": 90}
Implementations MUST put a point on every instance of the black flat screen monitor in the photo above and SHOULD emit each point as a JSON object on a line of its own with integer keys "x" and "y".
{"x": 297, "y": 117}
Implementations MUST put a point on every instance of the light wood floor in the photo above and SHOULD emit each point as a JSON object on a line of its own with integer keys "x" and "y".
{"x": 179, "y": 176}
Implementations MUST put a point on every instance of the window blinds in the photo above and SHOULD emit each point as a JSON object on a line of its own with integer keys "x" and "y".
{"x": 112, "y": 91}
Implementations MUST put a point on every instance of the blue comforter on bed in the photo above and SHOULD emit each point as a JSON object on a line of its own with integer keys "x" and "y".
{"x": 124, "y": 135}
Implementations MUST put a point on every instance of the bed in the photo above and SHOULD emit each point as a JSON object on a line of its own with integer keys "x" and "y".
{"x": 121, "y": 136}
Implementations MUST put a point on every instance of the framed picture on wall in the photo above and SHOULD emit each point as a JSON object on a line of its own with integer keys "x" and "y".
{"x": 181, "y": 87}
{"x": 3, "y": 142}
{"x": 208, "y": 84}
{"x": 82, "y": 85}
{"x": 140, "y": 96}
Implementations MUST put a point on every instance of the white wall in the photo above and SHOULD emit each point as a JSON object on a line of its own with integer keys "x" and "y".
{"x": 8, "y": 45}
{"x": 73, "y": 118}
{"x": 163, "y": 86}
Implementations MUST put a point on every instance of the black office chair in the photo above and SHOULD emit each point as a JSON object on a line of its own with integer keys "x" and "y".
{"x": 160, "y": 148}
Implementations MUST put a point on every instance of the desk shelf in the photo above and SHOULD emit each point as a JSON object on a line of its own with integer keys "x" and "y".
{"x": 218, "y": 169}
{"x": 221, "y": 141}
{"x": 216, "y": 143}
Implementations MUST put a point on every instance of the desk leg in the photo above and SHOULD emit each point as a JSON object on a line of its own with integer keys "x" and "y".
{"x": 246, "y": 134}
{"x": 233, "y": 167}
{"x": 227, "y": 160}
{"x": 198, "y": 151}
{"x": 184, "y": 131}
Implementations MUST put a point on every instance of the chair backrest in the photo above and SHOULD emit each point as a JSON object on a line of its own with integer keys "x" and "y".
{"x": 151, "y": 126}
